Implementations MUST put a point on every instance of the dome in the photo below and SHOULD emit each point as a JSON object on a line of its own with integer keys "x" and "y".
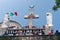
{"x": 13, "y": 24}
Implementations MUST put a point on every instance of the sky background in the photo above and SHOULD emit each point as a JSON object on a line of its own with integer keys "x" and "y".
{"x": 22, "y": 8}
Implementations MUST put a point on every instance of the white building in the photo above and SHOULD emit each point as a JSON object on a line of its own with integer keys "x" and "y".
{"x": 13, "y": 25}
{"x": 49, "y": 25}
{"x": 7, "y": 23}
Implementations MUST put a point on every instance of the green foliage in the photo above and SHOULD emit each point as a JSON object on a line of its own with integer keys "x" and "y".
{"x": 8, "y": 38}
{"x": 4, "y": 38}
{"x": 55, "y": 7}
{"x": 57, "y": 2}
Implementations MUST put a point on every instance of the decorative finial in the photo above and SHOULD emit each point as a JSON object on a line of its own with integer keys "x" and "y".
{"x": 31, "y": 6}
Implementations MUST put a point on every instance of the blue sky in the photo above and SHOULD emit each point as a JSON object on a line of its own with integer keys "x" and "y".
{"x": 22, "y": 7}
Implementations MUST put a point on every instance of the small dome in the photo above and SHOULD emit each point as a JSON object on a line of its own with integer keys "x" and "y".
{"x": 13, "y": 24}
